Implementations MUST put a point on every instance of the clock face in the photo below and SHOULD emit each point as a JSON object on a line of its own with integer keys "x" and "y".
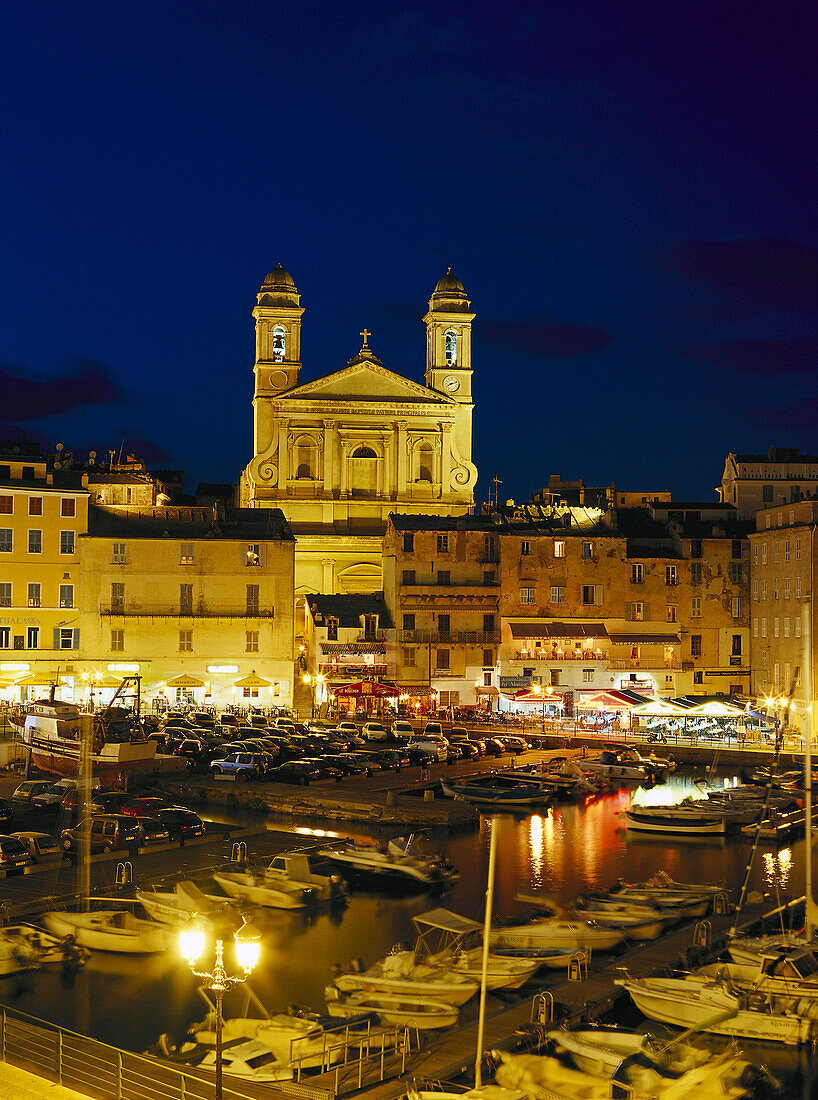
{"x": 451, "y": 384}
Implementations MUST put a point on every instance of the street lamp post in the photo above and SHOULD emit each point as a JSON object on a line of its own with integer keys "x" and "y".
{"x": 312, "y": 682}
{"x": 248, "y": 943}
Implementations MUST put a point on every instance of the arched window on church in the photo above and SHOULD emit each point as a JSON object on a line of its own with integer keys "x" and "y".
{"x": 423, "y": 462}
{"x": 305, "y": 458}
{"x": 451, "y": 347}
{"x": 364, "y": 452}
{"x": 279, "y": 344}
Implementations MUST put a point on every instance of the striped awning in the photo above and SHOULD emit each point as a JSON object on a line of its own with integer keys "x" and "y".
{"x": 339, "y": 648}
{"x": 558, "y": 630}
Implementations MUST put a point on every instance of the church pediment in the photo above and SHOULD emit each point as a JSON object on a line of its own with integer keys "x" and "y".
{"x": 365, "y": 380}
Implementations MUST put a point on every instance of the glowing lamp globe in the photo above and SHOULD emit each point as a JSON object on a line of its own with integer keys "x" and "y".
{"x": 248, "y": 945}
{"x": 191, "y": 942}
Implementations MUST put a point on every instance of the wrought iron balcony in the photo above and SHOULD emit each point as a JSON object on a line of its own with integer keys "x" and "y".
{"x": 451, "y": 637}
{"x": 175, "y": 611}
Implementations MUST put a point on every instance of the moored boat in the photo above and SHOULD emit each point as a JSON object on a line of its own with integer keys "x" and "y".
{"x": 401, "y": 974}
{"x": 553, "y": 932}
{"x": 253, "y": 888}
{"x": 109, "y": 930}
{"x": 501, "y": 791}
{"x": 184, "y": 903}
{"x": 397, "y": 862}
{"x": 401, "y": 1011}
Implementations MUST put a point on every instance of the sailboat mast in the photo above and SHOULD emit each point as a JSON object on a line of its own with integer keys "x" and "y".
{"x": 481, "y": 1022}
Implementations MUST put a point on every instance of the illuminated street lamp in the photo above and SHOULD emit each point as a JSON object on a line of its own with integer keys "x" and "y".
{"x": 248, "y": 945}
{"x": 313, "y": 682}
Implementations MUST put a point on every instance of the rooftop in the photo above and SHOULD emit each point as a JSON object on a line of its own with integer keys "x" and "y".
{"x": 253, "y": 524}
{"x": 348, "y": 608}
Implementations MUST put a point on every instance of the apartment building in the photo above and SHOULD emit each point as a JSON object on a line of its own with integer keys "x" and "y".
{"x": 782, "y": 570}
{"x": 43, "y": 514}
{"x": 198, "y": 601}
{"x": 442, "y": 587}
{"x": 753, "y": 481}
{"x": 348, "y": 638}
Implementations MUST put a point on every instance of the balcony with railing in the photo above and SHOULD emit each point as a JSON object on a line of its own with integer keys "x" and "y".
{"x": 474, "y": 586}
{"x": 349, "y": 671}
{"x": 450, "y": 637}
{"x": 559, "y": 655}
{"x": 210, "y": 610}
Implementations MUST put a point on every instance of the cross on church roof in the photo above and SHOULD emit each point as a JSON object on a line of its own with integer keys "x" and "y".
{"x": 366, "y": 334}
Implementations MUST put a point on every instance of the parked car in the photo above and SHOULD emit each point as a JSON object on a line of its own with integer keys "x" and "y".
{"x": 349, "y": 764}
{"x": 325, "y": 769}
{"x": 109, "y": 833}
{"x": 494, "y": 747}
{"x": 402, "y": 731}
{"x": 204, "y": 718}
{"x": 180, "y": 823}
{"x": 454, "y": 753}
{"x": 370, "y": 756}
{"x": 143, "y": 807}
{"x": 42, "y": 847}
{"x": 433, "y": 729}
{"x": 430, "y": 745}
{"x": 511, "y": 742}
{"x": 26, "y": 791}
{"x": 294, "y": 771}
{"x": 228, "y": 719}
{"x": 109, "y": 802}
{"x": 282, "y": 723}
{"x": 6, "y": 812}
{"x": 154, "y": 831}
{"x": 345, "y": 728}
{"x": 392, "y": 757}
{"x": 242, "y": 765}
{"x": 13, "y": 853}
{"x": 51, "y": 798}
{"x": 374, "y": 731}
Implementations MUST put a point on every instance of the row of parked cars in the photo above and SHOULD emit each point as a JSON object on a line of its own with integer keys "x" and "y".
{"x": 282, "y": 750}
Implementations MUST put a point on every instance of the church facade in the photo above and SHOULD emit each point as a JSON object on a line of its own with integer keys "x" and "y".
{"x": 339, "y": 453}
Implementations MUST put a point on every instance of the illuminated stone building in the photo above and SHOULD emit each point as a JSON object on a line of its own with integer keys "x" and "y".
{"x": 781, "y": 476}
{"x": 338, "y": 453}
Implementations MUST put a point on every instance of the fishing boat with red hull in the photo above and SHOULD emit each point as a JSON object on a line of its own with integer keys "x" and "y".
{"x": 52, "y": 731}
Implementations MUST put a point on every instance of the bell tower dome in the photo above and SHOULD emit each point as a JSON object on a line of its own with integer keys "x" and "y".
{"x": 448, "y": 339}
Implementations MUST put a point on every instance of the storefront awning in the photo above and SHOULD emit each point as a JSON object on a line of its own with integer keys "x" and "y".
{"x": 661, "y": 707}
{"x": 538, "y": 697}
{"x": 636, "y": 637}
{"x": 612, "y": 700}
{"x": 417, "y": 691}
{"x": 252, "y": 681}
{"x": 558, "y": 630}
{"x": 366, "y": 689}
{"x": 185, "y": 681}
{"x": 487, "y": 690}
{"x": 335, "y": 649}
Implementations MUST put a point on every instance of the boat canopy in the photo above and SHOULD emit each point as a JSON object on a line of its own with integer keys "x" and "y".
{"x": 446, "y": 921}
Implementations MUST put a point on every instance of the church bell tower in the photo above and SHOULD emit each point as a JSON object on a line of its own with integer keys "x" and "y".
{"x": 278, "y": 346}
{"x": 448, "y": 339}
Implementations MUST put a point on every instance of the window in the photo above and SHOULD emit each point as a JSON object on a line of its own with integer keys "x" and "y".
{"x": 587, "y": 550}
{"x": 186, "y": 553}
{"x": 251, "y": 641}
{"x": 253, "y": 554}
{"x": 775, "y": 588}
{"x": 370, "y": 627}
{"x": 755, "y": 553}
{"x": 5, "y": 637}
{"x": 755, "y": 591}
{"x": 6, "y": 505}
{"x": 696, "y": 607}
{"x": 117, "y": 641}
{"x": 735, "y": 551}
{"x": 5, "y": 594}
{"x": 117, "y": 598}
{"x": 755, "y": 627}
{"x": 408, "y": 542}
{"x": 764, "y": 588}
{"x": 527, "y": 595}
{"x": 736, "y": 645}
{"x": 797, "y": 626}
{"x": 444, "y": 625}
{"x": 33, "y": 637}
{"x": 786, "y": 549}
{"x": 409, "y": 622}
{"x": 637, "y": 573}
{"x": 698, "y": 677}
{"x": 637, "y": 611}
{"x": 408, "y": 576}
{"x": 251, "y": 598}
{"x": 670, "y": 574}
{"x": 451, "y": 347}
{"x": 118, "y": 556}
{"x": 489, "y": 576}
{"x": 488, "y": 624}
{"x": 735, "y": 607}
{"x": 525, "y": 548}
{"x": 559, "y": 548}
{"x": 444, "y": 576}
{"x": 185, "y": 641}
{"x": 35, "y": 542}
{"x": 786, "y": 626}
{"x": 66, "y": 542}
{"x": 249, "y": 693}
{"x": 409, "y": 656}
{"x": 488, "y": 658}
{"x": 5, "y": 540}
{"x": 68, "y": 507}
{"x": 671, "y": 612}
{"x": 35, "y": 506}
{"x": 776, "y": 627}
{"x": 587, "y": 676}
{"x": 763, "y": 626}
{"x": 798, "y": 588}
{"x": 66, "y": 637}
{"x": 764, "y": 659}
{"x": 797, "y": 549}
{"x": 695, "y": 645}
{"x": 442, "y": 660}
{"x": 19, "y": 641}
{"x": 279, "y": 344}
{"x": 554, "y": 676}
{"x": 735, "y": 572}
{"x": 332, "y": 629}
{"x": 185, "y": 599}
{"x": 776, "y": 551}
{"x": 764, "y": 553}
{"x": 442, "y": 544}
{"x": 487, "y": 679}
{"x": 767, "y": 494}
{"x": 695, "y": 572}
{"x": 695, "y": 548}
{"x": 592, "y": 594}
{"x": 557, "y": 593}
{"x": 423, "y": 463}
{"x": 34, "y": 595}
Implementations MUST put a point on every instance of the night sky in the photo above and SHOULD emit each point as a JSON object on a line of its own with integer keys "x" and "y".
{"x": 627, "y": 191}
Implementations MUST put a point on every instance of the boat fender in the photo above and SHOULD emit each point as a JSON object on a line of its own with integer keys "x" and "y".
{"x": 331, "y": 994}
{"x": 356, "y": 966}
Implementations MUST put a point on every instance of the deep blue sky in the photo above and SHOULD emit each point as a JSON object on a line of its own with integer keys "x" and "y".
{"x": 627, "y": 190}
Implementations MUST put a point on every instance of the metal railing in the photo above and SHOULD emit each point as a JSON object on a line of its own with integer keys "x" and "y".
{"x": 451, "y": 637}
{"x": 177, "y": 611}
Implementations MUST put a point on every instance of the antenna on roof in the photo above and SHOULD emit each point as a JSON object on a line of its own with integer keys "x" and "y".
{"x": 496, "y": 482}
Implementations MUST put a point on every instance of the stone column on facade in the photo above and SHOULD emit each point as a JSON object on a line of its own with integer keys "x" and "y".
{"x": 437, "y": 488}
{"x": 283, "y": 456}
{"x": 445, "y": 457}
{"x": 329, "y": 456}
{"x": 328, "y": 565}
{"x": 401, "y": 458}
{"x": 344, "y": 472}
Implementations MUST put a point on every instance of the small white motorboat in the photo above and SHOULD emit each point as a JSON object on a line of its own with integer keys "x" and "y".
{"x": 300, "y": 869}
{"x": 454, "y": 943}
{"x": 748, "y": 950}
{"x": 681, "y": 821}
{"x": 257, "y": 890}
{"x": 634, "y": 920}
{"x": 186, "y": 902}
{"x": 550, "y": 932}
{"x": 783, "y": 972}
{"x": 401, "y": 974}
{"x": 398, "y": 862}
{"x": 26, "y": 947}
{"x": 393, "y": 1009}
{"x": 109, "y": 930}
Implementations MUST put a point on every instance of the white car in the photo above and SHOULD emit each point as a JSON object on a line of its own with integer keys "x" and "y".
{"x": 402, "y": 731}
{"x": 430, "y": 745}
{"x": 347, "y": 729}
{"x": 57, "y": 792}
{"x": 374, "y": 731}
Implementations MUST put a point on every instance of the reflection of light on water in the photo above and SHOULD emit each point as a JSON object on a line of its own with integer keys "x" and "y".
{"x": 302, "y": 831}
{"x": 777, "y": 867}
{"x": 536, "y": 832}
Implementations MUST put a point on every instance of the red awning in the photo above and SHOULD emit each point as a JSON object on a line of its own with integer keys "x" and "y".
{"x": 612, "y": 700}
{"x": 537, "y": 697}
{"x": 366, "y": 689}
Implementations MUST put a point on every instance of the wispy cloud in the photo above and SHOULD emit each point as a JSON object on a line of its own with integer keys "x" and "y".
{"x": 23, "y": 398}
{"x": 543, "y": 337}
{"x": 758, "y": 355}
